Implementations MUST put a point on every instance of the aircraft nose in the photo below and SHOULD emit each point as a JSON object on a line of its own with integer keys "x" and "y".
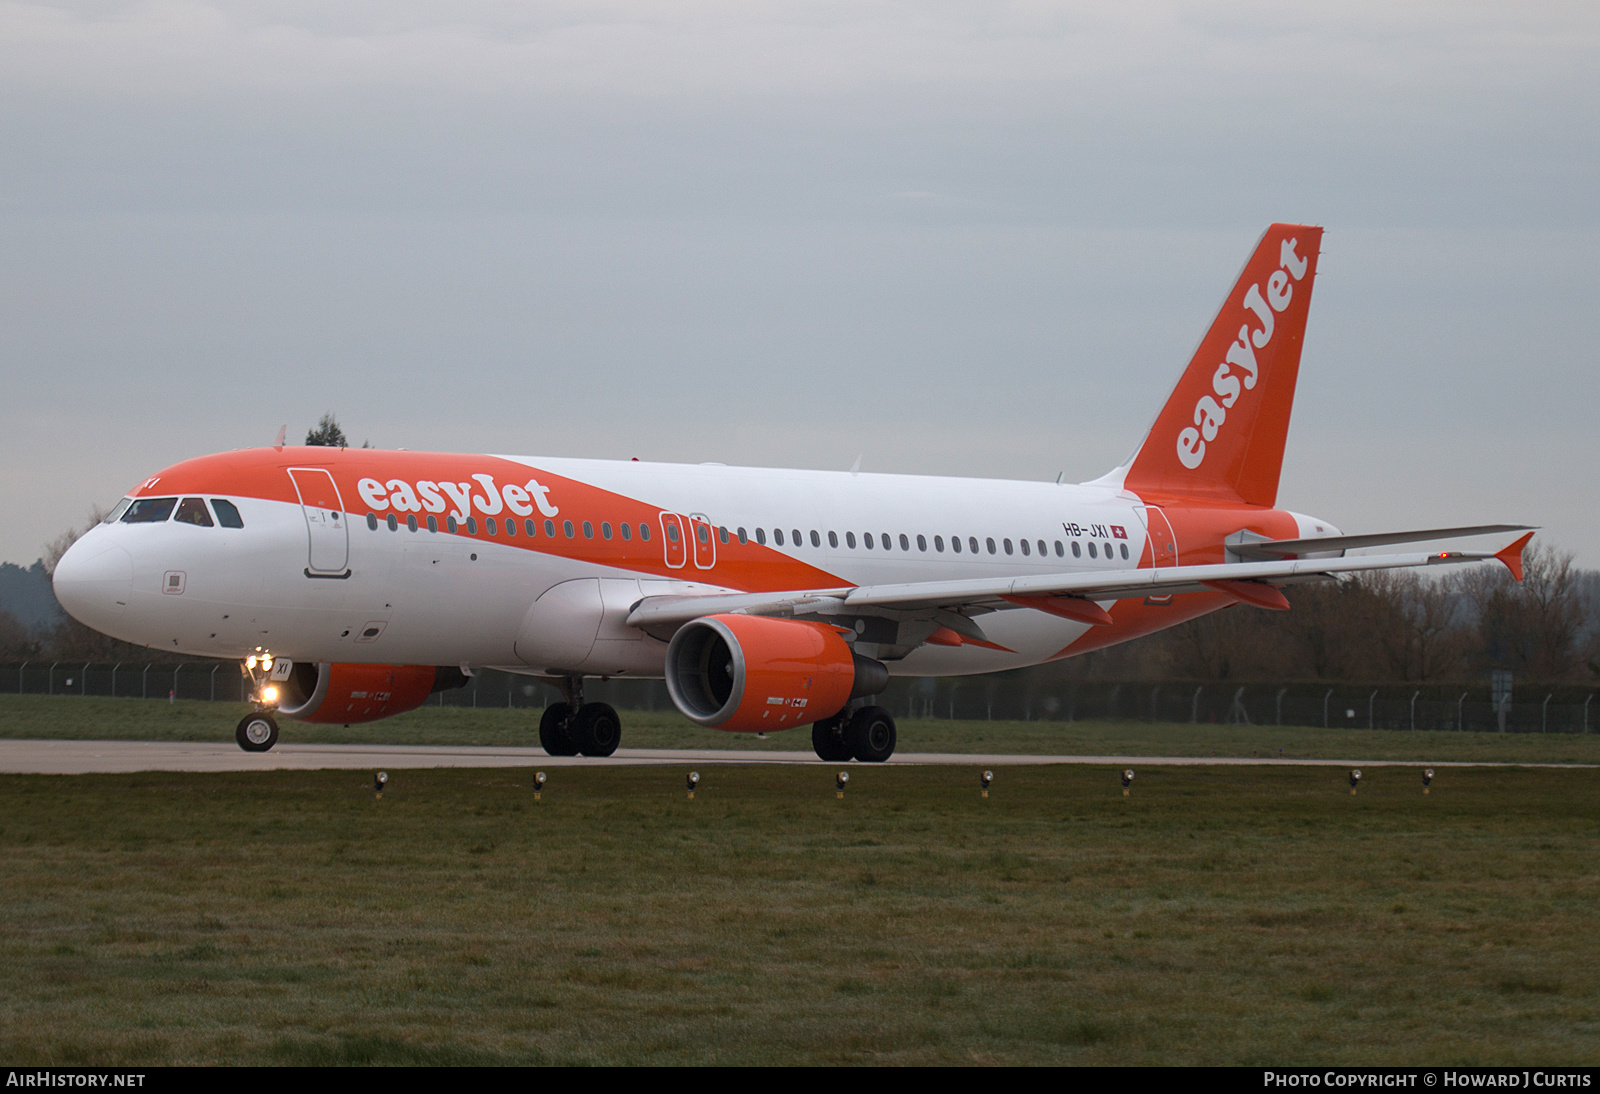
{"x": 92, "y": 582}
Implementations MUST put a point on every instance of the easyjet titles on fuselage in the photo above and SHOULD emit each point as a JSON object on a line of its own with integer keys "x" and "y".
{"x": 427, "y": 496}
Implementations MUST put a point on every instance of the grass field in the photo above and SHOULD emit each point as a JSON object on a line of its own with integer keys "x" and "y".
{"x": 74, "y": 717}
{"x": 1218, "y": 915}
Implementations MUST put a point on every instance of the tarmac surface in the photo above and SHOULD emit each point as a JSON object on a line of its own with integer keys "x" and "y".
{"x": 111, "y": 757}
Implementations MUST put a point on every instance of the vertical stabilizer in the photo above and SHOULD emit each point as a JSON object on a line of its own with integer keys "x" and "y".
{"x": 1222, "y": 432}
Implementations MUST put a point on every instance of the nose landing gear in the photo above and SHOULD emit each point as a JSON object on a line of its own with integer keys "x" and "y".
{"x": 258, "y": 730}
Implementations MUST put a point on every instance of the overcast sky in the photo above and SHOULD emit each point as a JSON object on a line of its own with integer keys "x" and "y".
{"x": 954, "y": 238}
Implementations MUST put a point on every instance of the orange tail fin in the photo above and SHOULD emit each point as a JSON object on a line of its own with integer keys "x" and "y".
{"x": 1222, "y": 432}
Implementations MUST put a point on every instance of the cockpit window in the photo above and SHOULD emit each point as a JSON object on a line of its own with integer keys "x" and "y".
{"x": 227, "y": 513}
{"x": 116, "y": 514}
{"x": 149, "y": 511}
{"x": 193, "y": 511}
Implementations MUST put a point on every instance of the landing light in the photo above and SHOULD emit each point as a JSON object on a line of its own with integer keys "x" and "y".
{"x": 250, "y": 662}
{"x": 269, "y": 694}
{"x": 266, "y": 664}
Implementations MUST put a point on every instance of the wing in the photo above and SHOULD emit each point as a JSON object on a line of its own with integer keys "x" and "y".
{"x": 1072, "y": 594}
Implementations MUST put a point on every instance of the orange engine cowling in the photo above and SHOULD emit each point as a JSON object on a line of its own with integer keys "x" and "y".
{"x": 345, "y": 693}
{"x": 751, "y": 674}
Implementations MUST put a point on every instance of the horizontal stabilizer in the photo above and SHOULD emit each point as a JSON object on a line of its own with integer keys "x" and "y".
{"x": 1293, "y": 548}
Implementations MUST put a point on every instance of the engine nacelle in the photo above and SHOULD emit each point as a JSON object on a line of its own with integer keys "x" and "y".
{"x": 345, "y": 693}
{"x": 751, "y": 674}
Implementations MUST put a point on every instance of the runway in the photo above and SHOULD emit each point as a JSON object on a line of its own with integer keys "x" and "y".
{"x": 114, "y": 757}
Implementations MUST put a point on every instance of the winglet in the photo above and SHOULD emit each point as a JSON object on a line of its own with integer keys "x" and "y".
{"x": 1512, "y": 556}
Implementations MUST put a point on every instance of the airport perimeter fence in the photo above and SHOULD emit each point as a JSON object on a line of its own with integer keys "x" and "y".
{"x": 1010, "y": 697}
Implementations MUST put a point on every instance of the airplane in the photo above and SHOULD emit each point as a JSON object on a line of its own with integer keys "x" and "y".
{"x": 353, "y": 584}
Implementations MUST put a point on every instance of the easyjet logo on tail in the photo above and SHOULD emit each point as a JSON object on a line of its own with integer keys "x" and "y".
{"x": 406, "y": 497}
{"x": 1238, "y": 371}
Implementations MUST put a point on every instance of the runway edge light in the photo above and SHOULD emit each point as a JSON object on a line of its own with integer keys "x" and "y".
{"x": 379, "y": 781}
{"x": 1427, "y": 778}
{"x": 985, "y": 779}
{"x": 839, "y": 783}
{"x": 538, "y": 784}
{"x": 693, "y": 779}
{"x": 1127, "y": 781}
{"x": 1355, "y": 777}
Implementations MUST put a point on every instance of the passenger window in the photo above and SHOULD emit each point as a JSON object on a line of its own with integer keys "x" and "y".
{"x": 761, "y": 536}
{"x": 938, "y": 544}
{"x": 850, "y": 540}
{"x": 1059, "y": 552}
{"x": 1124, "y": 550}
{"x": 1024, "y": 545}
{"x": 797, "y": 540}
{"x": 722, "y": 533}
{"x": 1042, "y": 549}
{"x": 1006, "y": 543}
{"x": 433, "y": 523}
{"x": 372, "y": 522}
{"x": 550, "y": 529}
{"x": 492, "y": 525}
{"x": 922, "y": 543}
{"x": 450, "y": 523}
{"x": 955, "y": 544}
{"x": 1106, "y": 547}
{"x": 627, "y": 531}
{"x": 588, "y": 530}
{"x": 972, "y": 544}
{"x": 411, "y": 522}
{"x": 149, "y": 511}
{"x": 605, "y": 529}
{"x": 866, "y": 539}
{"x": 1091, "y": 549}
{"x": 777, "y": 536}
{"x": 905, "y": 544}
{"x": 833, "y": 539}
{"x": 990, "y": 541}
{"x": 702, "y": 535}
{"x": 743, "y": 538}
{"x": 1076, "y": 552}
{"x": 816, "y": 540}
{"x": 227, "y": 513}
{"x": 472, "y": 525}
{"x": 511, "y": 527}
{"x": 394, "y": 525}
{"x": 567, "y": 529}
{"x": 644, "y": 532}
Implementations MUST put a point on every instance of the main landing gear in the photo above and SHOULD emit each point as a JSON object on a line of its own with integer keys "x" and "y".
{"x": 867, "y": 735}
{"x": 577, "y": 728}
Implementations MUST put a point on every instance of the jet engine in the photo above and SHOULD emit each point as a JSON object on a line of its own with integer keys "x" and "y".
{"x": 346, "y": 693}
{"x": 752, "y": 674}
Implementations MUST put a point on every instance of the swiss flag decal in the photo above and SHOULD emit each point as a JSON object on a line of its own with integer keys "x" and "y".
{"x": 1118, "y": 532}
